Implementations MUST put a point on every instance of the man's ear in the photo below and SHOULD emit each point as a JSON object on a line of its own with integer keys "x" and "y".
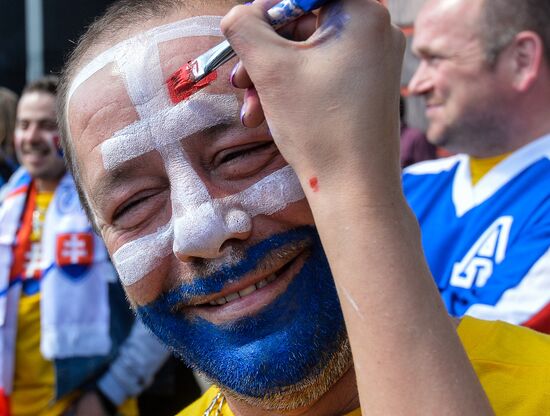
{"x": 525, "y": 55}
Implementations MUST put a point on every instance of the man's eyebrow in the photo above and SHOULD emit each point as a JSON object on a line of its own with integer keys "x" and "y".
{"x": 39, "y": 120}
{"x": 423, "y": 51}
{"x": 112, "y": 180}
{"x": 210, "y": 134}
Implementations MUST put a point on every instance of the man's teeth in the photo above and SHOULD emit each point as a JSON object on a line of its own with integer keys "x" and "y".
{"x": 244, "y": 292}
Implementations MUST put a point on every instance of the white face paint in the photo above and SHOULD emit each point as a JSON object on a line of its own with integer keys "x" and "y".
{"x": 200, "y": 224}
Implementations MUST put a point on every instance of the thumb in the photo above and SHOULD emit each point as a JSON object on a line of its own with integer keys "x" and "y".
{"x": 256, "y": 43}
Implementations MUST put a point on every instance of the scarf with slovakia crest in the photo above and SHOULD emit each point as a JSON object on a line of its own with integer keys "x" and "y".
{"x": 74, "y": 303}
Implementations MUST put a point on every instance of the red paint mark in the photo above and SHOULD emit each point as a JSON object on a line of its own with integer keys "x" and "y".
{"x": 57, "y": 142}
{"x": 181, "y": 86}
{"x": 314, "y": 184}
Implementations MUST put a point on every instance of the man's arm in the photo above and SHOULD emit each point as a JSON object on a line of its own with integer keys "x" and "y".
{"x": 332, "y": 106}
{"x": 138, "y": 360}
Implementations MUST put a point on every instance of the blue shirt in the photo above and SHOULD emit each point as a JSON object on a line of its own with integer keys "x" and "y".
{"x": 487, "y": 245}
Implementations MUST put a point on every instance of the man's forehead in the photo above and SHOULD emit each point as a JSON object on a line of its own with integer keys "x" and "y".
{"x": 36, "y": 104}
{"x": 452, "y": 15}
{"x": 441, "y": 22}
{"x": 130, "y": 77}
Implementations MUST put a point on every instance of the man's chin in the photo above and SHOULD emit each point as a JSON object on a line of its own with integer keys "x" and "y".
{"x": 305, "y": 393}
{"x": 434, "y": 135}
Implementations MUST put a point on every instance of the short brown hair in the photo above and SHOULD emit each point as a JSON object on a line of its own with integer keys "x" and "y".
{"x": 501, "y": 20}
{"x": 47, "y": 84}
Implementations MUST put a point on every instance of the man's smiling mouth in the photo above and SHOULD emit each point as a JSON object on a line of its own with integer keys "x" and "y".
{"x": 36, "y": 151}
{"x": 256, "y": 284}
{"x": 245, "y": 292}
{"x": 250, "y": 293}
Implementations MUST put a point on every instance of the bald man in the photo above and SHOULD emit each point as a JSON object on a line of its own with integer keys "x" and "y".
{"x": 485, "y": 214}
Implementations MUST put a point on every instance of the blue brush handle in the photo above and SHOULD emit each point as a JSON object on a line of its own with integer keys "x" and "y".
{"x": 288, "y": 10}
{"x": 309, "y": 5}
{"x": 279, "y": 15}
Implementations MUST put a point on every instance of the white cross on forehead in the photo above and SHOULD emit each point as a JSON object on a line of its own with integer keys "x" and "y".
{"x": 199, "y": 224}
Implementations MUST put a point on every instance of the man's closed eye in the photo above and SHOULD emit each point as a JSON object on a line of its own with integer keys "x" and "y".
{"x": 245, "y": 161}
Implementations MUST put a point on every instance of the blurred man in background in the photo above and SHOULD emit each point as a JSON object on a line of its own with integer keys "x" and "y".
{"x": 485, "y": 214}
{"x": 67, "y": 338}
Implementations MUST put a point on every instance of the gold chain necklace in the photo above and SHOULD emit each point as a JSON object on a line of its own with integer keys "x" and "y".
{"x": 219, "y": 400}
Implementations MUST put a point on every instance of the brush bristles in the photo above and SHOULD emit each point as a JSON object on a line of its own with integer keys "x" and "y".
{"x": 181, "y": 85}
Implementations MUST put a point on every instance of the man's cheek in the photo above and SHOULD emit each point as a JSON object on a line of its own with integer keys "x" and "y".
{"x": 149, "y": 288}
{"x": 144, "y": 291}
{"x": 53, "y": 141}
{"x": 18, "y": 139}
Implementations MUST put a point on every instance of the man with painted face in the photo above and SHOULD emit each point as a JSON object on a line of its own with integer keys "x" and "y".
{"x": 218, "y": 226}
{"x": 485, "y": 76}
{"x": 67, "y": 340}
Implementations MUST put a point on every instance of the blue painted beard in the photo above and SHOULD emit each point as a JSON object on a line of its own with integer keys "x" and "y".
{"x": 287, "y": 342}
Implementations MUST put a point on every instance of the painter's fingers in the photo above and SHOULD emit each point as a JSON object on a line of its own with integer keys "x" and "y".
{"x": 298, "y": 31}
{"x": 239, "y": 78}
{"x": 301, "y": 29}
{"x": 252, "y": 114}
{"x": 264, "y": 4}
{"x": 238, "y": 29}
{"x": 348, "y": 69}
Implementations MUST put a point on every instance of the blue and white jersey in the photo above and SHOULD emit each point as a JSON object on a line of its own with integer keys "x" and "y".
{"x": 487, "y": 244}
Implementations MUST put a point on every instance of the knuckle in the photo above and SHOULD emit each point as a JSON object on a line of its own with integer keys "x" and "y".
{"x": 399, "y": 39}
{"x": 380, "y": 14}
{"x": 233, "y": 20}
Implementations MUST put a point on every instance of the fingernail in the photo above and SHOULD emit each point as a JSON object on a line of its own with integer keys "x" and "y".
{"x": 232, "y": 75}
{"x": 243, "y": 112}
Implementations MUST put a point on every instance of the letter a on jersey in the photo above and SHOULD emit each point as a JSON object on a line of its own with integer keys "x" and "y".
{"x": 490, "y": 249}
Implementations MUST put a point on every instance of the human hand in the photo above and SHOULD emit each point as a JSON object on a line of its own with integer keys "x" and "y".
{"x": 331, "y": 100}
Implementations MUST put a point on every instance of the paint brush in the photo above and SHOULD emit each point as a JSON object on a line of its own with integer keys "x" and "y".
{"x": 200, "y": 72}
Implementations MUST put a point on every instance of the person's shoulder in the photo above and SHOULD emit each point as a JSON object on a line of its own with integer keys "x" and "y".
{"x": 18, "y": 184}
{"x": 434, "y": 167}
{"x": 502, "y": 342}
{"x": 421, "y": 179}
{"x": 198, "y": 407}
{"x": 512, "y": 363}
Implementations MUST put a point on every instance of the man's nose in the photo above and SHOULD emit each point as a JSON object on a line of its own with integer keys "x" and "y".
{"x": 202, "y": 232}
{"x": 420, "y": 82}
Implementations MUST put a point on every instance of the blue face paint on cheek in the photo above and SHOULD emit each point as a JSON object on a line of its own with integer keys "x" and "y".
{"x": 288, "y": 341}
